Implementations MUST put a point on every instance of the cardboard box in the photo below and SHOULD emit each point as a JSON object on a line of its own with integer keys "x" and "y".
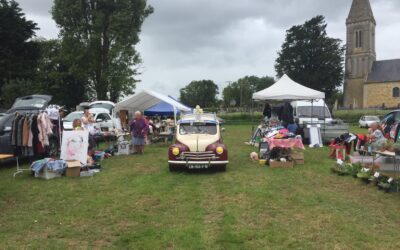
{"x": 281, "y": 164}
{"x": 298, "y": 158}
{"x": 73, "y": 169}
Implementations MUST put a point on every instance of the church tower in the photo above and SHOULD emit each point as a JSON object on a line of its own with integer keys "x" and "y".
{"x": 360, "y": 53}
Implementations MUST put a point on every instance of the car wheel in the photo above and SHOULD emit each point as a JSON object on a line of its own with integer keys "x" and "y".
{"x": 221, "y": 168}
{"x": 173, "y": 168}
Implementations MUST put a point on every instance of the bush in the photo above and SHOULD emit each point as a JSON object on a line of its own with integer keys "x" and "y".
{"x": 241, "y": 118}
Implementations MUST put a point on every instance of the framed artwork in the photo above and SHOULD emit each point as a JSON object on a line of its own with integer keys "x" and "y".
{"x": 75, "y": 146}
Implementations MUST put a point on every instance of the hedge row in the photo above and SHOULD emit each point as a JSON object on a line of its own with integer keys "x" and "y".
{"x": 353, "y": 116}
{"x": 349, "y": 116}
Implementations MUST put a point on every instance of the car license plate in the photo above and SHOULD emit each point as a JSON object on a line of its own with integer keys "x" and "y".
{"x": 198, "y": 166}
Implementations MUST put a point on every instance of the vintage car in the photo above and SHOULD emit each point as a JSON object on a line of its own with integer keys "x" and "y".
{"x": 198, "y": 144}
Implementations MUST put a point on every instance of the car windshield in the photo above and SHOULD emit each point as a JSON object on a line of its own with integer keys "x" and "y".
{"x": 33, "y": 102}
{"x": 197, "y": 128}
{"x": 372, "y": 118}
{"x": 317, "y": 112}
{"x": 71, "y": 117}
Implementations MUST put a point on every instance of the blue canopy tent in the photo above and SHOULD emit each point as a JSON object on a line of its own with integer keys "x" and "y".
{"x": 162, "y": 109}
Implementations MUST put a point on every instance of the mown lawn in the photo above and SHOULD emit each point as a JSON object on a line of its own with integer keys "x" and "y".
{"x": 136, "y": 203}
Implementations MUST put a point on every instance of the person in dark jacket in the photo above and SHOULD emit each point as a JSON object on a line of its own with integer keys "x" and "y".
{"x": 267, "y": 111}
{"x": 287, "y": 114}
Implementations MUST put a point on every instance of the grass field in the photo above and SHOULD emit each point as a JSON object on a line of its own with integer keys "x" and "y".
{"x": 136, "y": 203}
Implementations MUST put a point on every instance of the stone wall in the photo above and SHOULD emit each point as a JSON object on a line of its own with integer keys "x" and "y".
{"x": 376, "y": 94}
{"x": 353, "y": 91}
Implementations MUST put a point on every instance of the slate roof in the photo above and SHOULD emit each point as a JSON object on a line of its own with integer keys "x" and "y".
{"x": 385, "y": 71}
{"x": 360, "y": 11}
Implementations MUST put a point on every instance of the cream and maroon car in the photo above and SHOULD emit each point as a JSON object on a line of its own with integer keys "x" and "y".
{"x": 198, "y": 144}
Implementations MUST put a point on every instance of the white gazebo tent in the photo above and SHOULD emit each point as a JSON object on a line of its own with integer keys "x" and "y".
{"x": 287, "y": 89}
{"x": 147, "y": 99}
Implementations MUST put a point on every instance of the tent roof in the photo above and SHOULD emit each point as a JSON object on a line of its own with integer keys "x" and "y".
{"x": 147, "y": 99}
{"x": 162, "y": 108}
{"x": 287, "y": 89}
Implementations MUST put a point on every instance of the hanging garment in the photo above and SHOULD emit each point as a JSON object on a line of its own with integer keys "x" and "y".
{"x": 19, "y": 131}
{"x": 30, "y": 134}
{"x": 25, "y": 132}
{"x": 14, "y": 129}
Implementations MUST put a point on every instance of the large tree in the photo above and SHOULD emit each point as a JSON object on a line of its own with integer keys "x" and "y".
{"x": 312, "y": 58}
{"x": 203, "y": 93}
{"x": 240, "y": 92}
{"x": 18, "y": 53}
{"x": 58, "y": 76}
{"x": 101, "y": 35}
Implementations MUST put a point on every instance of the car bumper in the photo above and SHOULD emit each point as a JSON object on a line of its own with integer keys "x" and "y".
{"x": 186, "y": 163}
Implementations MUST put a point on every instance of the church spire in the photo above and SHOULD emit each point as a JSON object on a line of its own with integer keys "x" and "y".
{"x": 360, "y": 11}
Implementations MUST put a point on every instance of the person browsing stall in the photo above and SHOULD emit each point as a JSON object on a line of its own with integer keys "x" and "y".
{"x": 88, "y": 120}
{"x": 376, "y": 137}
{"x": 139, "y": 130}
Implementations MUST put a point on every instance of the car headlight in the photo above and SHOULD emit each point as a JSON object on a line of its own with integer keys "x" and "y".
{"x": 220, "y": 150}
{"x": 175, "y": 151}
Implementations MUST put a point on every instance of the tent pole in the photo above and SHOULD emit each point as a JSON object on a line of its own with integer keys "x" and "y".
{"x": 175, "y": 115}
{"x": 252, "y": 116}
{"x": 324, "y": 118}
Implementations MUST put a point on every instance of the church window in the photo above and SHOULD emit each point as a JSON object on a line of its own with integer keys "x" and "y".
{"x": 396, "y": 92}
{"x": 359, "y": 39}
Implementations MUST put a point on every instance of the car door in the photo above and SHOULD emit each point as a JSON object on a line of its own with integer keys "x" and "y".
{"x": 108, "y": 121}
{"x": 387, "y": 122}
{"x": 104, "y": 120}
{"x": 5, "y": 134}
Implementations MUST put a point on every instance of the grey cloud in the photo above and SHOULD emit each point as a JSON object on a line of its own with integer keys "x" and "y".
{"x": 223, "y": 40}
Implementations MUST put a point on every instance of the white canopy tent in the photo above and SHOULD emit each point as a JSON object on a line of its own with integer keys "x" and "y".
{"x": 147, "y": 99}
{"x": 287, "y": 89}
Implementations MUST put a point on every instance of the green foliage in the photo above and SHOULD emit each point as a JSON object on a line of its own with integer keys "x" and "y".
{"x": 16, "y": 88}
{"x": 203, "y": 93}
{"x": 347, "y": 169}
{"x": 18, "y": 53}
{"x": 241, "y": 91}
{"x": 58, "y": 76}
{"x": 100, "y": 36}
{"x": 312, "y": 58}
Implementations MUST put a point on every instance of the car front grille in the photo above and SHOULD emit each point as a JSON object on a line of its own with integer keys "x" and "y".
{"x": 198, "y": 156}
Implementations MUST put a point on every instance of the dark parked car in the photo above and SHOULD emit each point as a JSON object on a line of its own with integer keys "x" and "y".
{"x": 391, "y": 125}
{"x": 23, "y": 105}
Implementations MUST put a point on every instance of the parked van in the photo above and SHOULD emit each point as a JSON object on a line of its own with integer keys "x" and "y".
{"x": 317, "y": 112}
{"x": 311, "y": 112}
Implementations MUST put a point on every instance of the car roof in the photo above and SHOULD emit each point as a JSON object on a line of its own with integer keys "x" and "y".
{"x": 99, "y": 110}
{"x": 100, "y": 102}
{"x": 206, "y": 118}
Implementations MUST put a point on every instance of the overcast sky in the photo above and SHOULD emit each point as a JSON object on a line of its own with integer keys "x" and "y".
{"x": 221, "y": 40}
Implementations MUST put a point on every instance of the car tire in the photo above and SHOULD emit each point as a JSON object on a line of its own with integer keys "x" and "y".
{"x": 221, "y": 168}
{"x": 173, "y": 168}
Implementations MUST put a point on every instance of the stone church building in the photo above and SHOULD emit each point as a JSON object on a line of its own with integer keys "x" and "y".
{"x": 368, "y": 82}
